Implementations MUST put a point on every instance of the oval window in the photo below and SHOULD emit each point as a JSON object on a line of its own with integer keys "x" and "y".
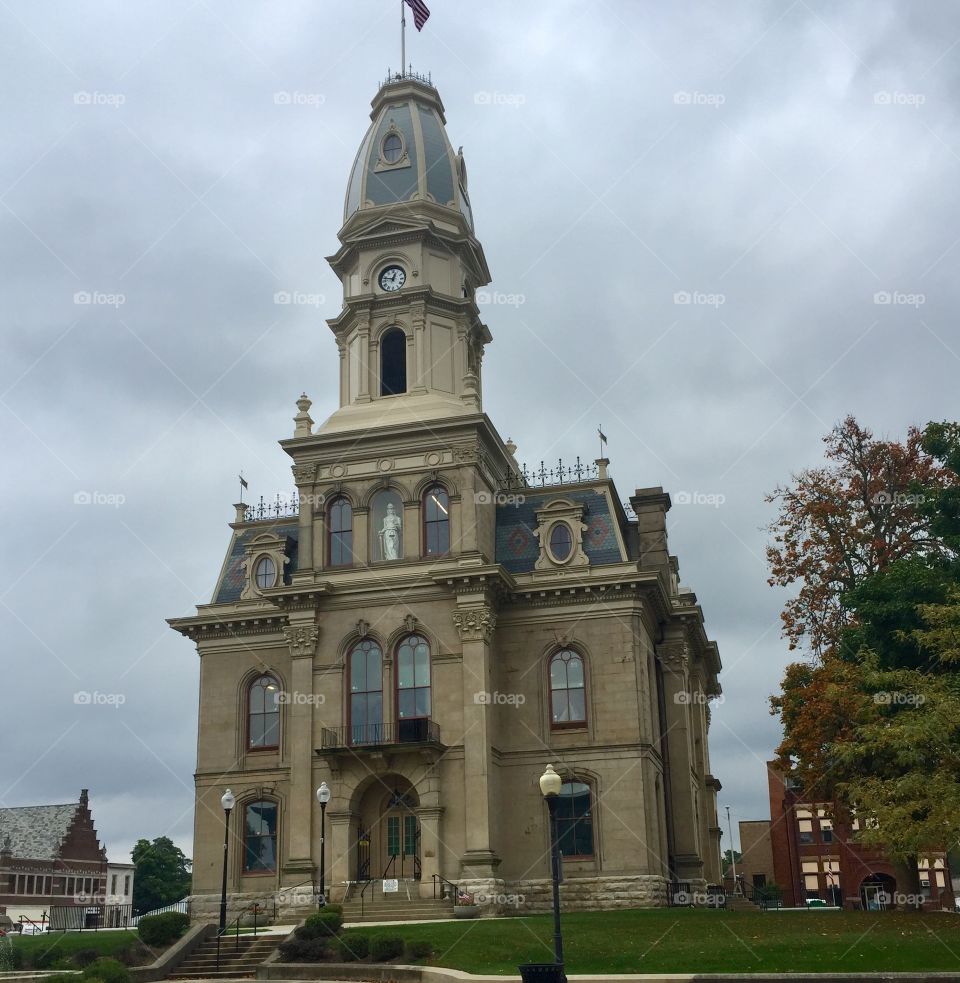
{"x": 392, "y": 148}
{"x": 561, "y": 542}
{"x": 265, "y": 573}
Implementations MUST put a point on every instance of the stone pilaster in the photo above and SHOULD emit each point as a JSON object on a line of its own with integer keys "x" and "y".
{"x": 431, "y": 845}
{"x": 476, "y": 623}
{"x": 305, "y": 475}
{"x": 674, "y": 656}
{"x": 302, "y": 636}
{"x": 341, "y": 852}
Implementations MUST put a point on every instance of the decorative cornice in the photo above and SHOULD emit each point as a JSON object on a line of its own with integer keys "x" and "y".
{"x": 302, "y": 639}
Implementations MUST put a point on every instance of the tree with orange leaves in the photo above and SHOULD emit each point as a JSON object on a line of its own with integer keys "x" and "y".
{"x": 841, "y": 523}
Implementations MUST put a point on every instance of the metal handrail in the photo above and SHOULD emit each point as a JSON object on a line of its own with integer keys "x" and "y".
{"x": 255, "y": 908}
{"x": 444, "y": 880}
{"x": 41, "y": 925}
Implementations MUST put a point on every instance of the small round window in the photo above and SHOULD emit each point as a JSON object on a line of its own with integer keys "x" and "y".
{"x": 561, "y": 542}
{"x": 265, "y": 573}
{"x": 392, "y": 148}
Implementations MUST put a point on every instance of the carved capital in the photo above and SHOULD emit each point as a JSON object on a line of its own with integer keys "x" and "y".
{"x": 302, "y": 639}
{"x": 304, "y": 474}
{"x": 475, "y": 624}
{"x": 675, "y": 656}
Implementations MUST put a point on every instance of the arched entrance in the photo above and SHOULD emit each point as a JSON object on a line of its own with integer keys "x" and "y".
{"x": 877, "y": 892}
{"x": 388, "y": 841}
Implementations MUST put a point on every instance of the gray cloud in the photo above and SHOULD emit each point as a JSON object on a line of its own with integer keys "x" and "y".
{"x": 795, "y": 159}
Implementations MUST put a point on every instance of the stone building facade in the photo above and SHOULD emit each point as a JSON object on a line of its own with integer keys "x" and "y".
{"x": 430, "y": 625}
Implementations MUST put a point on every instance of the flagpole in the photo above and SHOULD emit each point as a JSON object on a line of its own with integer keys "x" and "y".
{"x": 403, "y": 38}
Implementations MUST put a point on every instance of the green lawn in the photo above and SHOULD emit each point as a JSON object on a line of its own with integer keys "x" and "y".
{"x": 683, "y": 940}
{"x": 54, "y": 950}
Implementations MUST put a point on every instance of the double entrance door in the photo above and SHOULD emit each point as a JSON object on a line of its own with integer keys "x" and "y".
{"x": 390, "y": 848}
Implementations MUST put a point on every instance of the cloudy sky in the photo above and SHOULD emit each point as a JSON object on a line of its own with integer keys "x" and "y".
{"x": 715, "y": 229}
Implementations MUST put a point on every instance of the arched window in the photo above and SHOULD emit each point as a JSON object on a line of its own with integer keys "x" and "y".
{"x": 366, "y": 693}
{"x": 340, "y": 533}
{"x": 413, "y": 688}
{"x": 574, "y": 820}
{"x": 436, "y": 522}
{"x": 568, "y": 703}
{"x": 393, "y": 362}
{"x": 260, "y": 837}
{"x": 263, "y": 713}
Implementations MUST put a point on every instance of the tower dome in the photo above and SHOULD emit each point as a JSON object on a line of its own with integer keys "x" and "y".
{"x": 405, "y": 154}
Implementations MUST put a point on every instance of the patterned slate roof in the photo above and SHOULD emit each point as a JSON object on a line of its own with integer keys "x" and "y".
{"x": 518, "y": 546}
{"x": 231, "y": 586}
{"x": 35, "y": 832}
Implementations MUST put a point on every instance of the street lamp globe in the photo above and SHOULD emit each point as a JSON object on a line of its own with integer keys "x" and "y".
{"x": 228, "y": 800}
{"x": 323, "y": 794}
{"x": 550, "y": 783}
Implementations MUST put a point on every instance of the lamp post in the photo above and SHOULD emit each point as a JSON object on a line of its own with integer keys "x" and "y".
{"x": 323, "y": 797}
{"x": 228, "y": 800}
{"x": 733, "y": 856}
{"x": 550, "y": 785}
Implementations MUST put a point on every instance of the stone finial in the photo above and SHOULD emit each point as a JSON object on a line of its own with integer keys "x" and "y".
{"x": 241, "y": 511}
{"x": 303, "y": 420}
{"x": 511, "y": 447}
{"x": 602, "y": 464}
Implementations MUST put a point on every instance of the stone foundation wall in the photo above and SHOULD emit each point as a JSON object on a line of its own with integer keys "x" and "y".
{"x": 206, "y": 907}
{"x": 579, "y": 894}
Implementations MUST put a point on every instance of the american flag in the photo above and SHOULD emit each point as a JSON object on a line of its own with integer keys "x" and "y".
{"x": 420, "y": 13}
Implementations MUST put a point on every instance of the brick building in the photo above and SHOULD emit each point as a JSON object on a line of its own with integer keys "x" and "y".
{"x": 50, "y": 855}
{"x": 816, "y": 855}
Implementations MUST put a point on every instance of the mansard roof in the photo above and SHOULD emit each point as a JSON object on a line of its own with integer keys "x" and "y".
{"x": 233, "y": 575}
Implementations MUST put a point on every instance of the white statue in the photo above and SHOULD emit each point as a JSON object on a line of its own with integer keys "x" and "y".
{"x": 391, "y": 541}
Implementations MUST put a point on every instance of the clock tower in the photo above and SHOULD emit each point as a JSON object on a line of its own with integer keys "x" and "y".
{"x": 409, "y": 335}
{"x": 427, "y": 625}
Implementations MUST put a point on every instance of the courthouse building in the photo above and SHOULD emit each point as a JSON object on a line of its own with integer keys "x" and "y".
{"x": 432, "y": 625}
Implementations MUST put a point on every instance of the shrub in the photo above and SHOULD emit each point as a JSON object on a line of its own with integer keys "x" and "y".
{"x": 386, "y": 947}
{"x": 107, "y": 971}
{"x": 322, "y": 925}
{"x": 134, "y": 954}
{"x": 354, "y": 947}
{"x": 83, "y": 957}
{"x": 305, "y": 950}
{"x": 163, "y": 929}
{"x": 418, "y": 949}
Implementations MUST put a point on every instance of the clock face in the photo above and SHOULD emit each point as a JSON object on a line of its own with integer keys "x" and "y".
{"x": 392, "y": 278}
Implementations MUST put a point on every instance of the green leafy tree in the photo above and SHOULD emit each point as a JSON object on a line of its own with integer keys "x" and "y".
{"x": 875, "y": 720}
{"x": 727, "y": 854}
{"x": 162, "y": 874}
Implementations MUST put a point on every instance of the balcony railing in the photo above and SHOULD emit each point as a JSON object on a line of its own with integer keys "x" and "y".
{"x": 418, "y": 730}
